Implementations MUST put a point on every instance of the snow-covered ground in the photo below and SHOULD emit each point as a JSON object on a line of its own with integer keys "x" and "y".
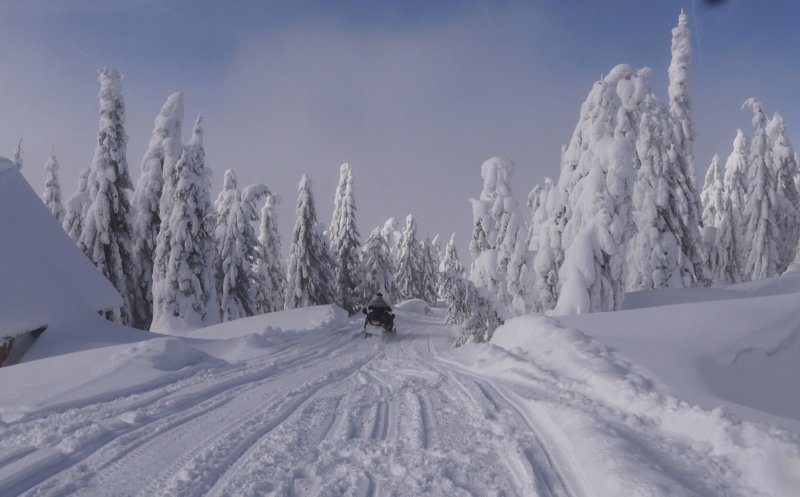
{"x": 298, "y": 403}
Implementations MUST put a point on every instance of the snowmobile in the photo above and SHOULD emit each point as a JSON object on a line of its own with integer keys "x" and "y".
{"x": 379, "y": 324}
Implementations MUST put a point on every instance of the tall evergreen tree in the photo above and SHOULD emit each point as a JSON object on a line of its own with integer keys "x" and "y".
{"x": 184, "y": 289}
{"x": 761, "y": 230}
{"x": 592, "y": 221}
{"x": 410, "y": 272}
{"x": 392, "y": 235}
{"x": 271, "y": 295}
{"x": 164, "y": 146}
{"x": 77, "y": 204}
{"x": 786, "y": 194}
{"x": 658, "y": 254}
{"x": 713, "y": 194}
{"x": 237, "y": 248}
{"x": 736, "y": 185}
{"x": 450, "y": 268}
{"x": 379, "y": 270}
{"x": 345, "y": 243}
{"x": 106, "y": 234}
{"x": 310, "y": 272}
{"x": 430, "y": 271}
{"x": 683, "y": 139}
{"x": 545, "y": 248}
{"x": 52, "y": 189}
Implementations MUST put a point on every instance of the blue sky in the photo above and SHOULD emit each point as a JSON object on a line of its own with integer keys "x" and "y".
{"x": 414, "y": 94}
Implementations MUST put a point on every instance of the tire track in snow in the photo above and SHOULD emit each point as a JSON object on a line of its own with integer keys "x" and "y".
{"x": 102, "y": 457}
{"x": 198, "y": 473}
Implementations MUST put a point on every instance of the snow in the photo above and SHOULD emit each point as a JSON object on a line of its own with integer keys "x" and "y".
{"x": 45, "y": 278}
{"x": 684, "y": 392}
{"x": 298, "y": 403}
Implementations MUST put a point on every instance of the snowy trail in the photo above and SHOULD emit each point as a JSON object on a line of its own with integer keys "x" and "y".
{"x": 330, "y": 414}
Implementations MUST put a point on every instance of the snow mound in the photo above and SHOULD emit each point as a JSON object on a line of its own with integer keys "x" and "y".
{"x": 98, "y": 375}
{"x": 307, "y": 318}
{"x": 767, "y": 458}
{"x": 416, "y": 306}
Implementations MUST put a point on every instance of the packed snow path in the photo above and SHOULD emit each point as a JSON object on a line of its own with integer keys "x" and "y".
{"x": 329, "y": 413}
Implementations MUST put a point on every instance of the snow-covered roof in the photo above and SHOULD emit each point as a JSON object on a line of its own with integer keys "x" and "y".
{"x": 44, "y": 277}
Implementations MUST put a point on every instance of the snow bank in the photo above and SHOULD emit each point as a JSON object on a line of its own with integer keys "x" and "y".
{"x": 767, "y": 458}
{"x": 306, "y": 318}
{"x": 97, "y": 375}
{"x": 742, "y": 352}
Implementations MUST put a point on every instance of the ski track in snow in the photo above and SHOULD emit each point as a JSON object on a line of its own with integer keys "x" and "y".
{"x": 358, "y": 417}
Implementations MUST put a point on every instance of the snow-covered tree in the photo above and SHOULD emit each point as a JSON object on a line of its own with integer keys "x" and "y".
{"x": 430, "y": 271}
{"x": 545, "y": 241}
{"x": 237, "y": 248}
{"x": 51, "y": 195}
{"x": 379, "y": 270}
{"x": 164, "y": 146}
{"x": 593, "y": 219}
{"x": 345, "y": 242}
{"x": 723, "y": 258}
{"x": 664, "y": 252}
{"x": 736, "y": 185}
{"x": 713, "y": 194}
{"x": 500, "y": 235}
{"x": 107, "y": 232}
{"x": 17, "y": 159}
{"x": 310, "y": 272}
{"x": 271, "y": 268}
{"x": 470, "y": 307}
{"x": 761, "y": 230}
{"x": 392, "y": 235}
{"x": 184, "y": 289}
{"x": 410, "y": 272}
{"x": 450, "y": 268}
{"x": 75, "y": 209}
{"x": 685, "y": 190}
{"x": 786, "y": 194}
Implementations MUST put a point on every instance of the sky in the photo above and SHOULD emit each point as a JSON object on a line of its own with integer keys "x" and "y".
{"x": 414, "y": 94}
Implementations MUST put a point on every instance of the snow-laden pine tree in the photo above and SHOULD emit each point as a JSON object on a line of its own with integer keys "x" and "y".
{"x": 310, "y": 272}
{"x": 472, "y": 309}
{"x": 665, "y": 251}
{"x": 106, "y": 234}
{"x": 736, "y": 186}
{"x": 786, "y": 194}
{"x": 392, "y": 234}
{"x": 499, "y": 233}
{"x": 51, "y": 195}
{"x": 761, "y": 237}
{"x": 75, "y": 209}
{"x": 164, "y": 145}
{"x": 271, "y": 268}
{"x": 450, "y": 268}
{"x": 723, "y": 258}
{"x": 237, "y": 248}
{"x": 184, "y": 288}
{"x": 430, "y": 271}
{"x": 713, "y": 194}
{"x": 545, "y": 242}
{"x": 593, "y": 218}
{"x": 685, "y": 190}
{"x": 379, "y": 271}
{"x": 345, "y": 242}
{"x": 717, "y": 224}
{"x": 17, "y": 159}
{"x": 410, "y": 270}
{"x": 683, "y": 127}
